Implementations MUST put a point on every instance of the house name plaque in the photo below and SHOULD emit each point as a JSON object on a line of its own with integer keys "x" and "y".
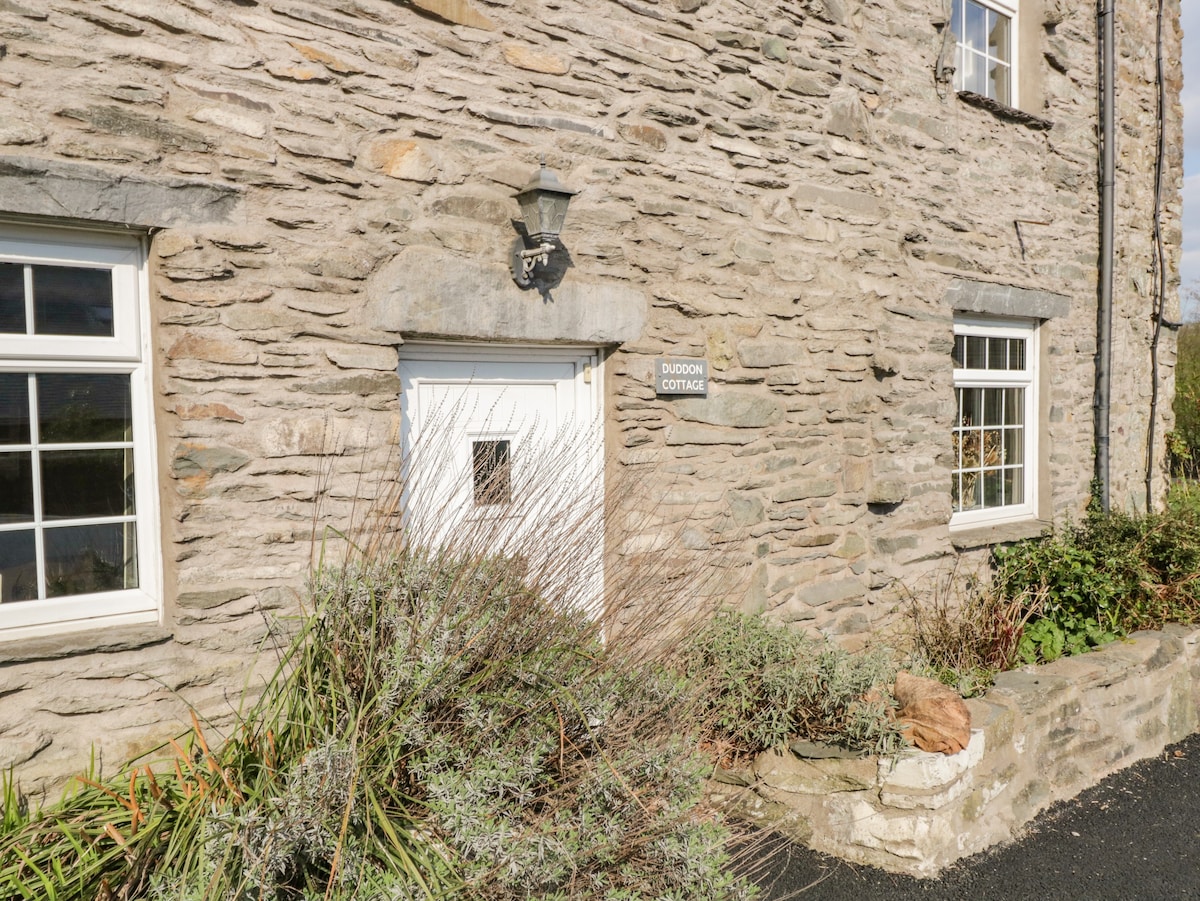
{"x": 680, "y": 376}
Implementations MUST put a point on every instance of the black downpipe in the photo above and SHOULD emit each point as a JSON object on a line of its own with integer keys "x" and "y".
{"x": 1108, "y": 96}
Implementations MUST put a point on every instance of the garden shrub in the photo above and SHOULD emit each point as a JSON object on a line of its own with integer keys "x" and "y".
{"x": 1088, "y": 584}
{"x": 1183, "y": 442}
{"x": 765, "y": 684}
{"x": 438, "y": 731}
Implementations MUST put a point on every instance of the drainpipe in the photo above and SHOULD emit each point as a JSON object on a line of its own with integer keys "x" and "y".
{"x": 1108, "y": 98}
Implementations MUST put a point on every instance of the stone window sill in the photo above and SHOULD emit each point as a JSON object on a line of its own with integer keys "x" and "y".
{"x": 986, "y": 536}
{"x": 1005, "y": 112}
{"x": 108, "y": 640}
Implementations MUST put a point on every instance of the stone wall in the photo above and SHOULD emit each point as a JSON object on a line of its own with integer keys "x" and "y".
{"x": 782, "y": 188}
{"x": 1040, "y": 736}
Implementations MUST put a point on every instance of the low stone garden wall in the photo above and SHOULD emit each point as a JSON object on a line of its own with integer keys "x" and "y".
{"x": 1039, "y": 736}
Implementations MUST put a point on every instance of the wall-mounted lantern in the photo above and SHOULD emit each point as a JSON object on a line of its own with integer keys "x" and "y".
{"x": 544, "y": 203}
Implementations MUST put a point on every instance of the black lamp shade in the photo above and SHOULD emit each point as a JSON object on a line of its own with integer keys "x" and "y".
{"x": 544, "y": 203}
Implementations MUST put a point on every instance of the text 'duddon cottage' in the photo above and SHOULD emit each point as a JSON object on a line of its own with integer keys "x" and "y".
{"x": 680, "y": 376}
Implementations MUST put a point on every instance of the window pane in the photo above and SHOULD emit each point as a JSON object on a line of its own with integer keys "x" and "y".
{"x": 12, "y": 299}
{"x": 1014, "y": 486}
{"x": 960, "y": 345}
{"x": 492, "y": 472}
{"x": 972, "y": 486}
{"x": 971, "y": 403}
{"x": 956, "y": 19}
{"x": 1014, "y": 406}
{"x": 1016, "y": 354}
{"x": 998, "y": 27}
{"x": 993, "y": 486}
{"x": 998, "y": 80}
{"x": 974, "y": 72}
{"x": 71, "y": 300}
{"x": 993, "y": 406}
{"x": 971, "y": 453}
{"x": 1014, "y": 446}
{"x": 82, "y": 559}
{"x": 997, "y": 353}
{"x": 975, "y": 29}
{"x": 74, "y": 408}
{"x": 993, "y": 447}
{"x": 14, "y": 408}
{"x": 18, "y": 567}
{"x": 976, "y": 352}
{"x": 83, "y": 483}
{"x": 16, "y": 487}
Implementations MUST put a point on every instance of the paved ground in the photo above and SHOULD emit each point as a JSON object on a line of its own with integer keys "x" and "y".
{"x": 1135, "y": 836}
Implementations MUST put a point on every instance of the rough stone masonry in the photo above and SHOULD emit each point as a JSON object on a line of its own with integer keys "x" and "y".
{"x": 783, "y": 188}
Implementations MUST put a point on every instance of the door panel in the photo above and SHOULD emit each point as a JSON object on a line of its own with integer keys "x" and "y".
{"x": 506, "y": 451}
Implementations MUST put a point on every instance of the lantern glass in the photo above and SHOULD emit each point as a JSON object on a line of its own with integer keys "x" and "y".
{"x": 544, "y": 203}
{"x": 544, "y": 213}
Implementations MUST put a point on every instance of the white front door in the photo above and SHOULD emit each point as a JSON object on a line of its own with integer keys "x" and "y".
{"x": 502, "y": 453}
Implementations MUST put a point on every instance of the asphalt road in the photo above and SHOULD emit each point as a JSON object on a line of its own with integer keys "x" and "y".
{"x": 1134, "y": 836}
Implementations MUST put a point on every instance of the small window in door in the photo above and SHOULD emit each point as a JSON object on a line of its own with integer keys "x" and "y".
{"x": 492, "y": 472}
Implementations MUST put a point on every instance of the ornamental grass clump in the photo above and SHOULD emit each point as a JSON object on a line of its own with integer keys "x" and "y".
{"x": 961, "y": 631}
{"x": 458, "y": 717}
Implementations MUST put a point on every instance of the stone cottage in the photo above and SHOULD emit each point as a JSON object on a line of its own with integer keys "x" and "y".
{"x": 829, "y": 284}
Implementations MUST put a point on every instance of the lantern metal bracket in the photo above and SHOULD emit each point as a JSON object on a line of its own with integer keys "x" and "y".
{"x": 524, "y": 260}
{"x": 543, "y": 205}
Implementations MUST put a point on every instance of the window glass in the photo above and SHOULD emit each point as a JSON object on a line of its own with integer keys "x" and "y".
{"x": 83, "y": 407}
{"x": 14, "y": 408}
{"x": 492, "y": 472}
{"x": 997, "y": 28}
{"x": 16, "y": 487}
{"x": 997, "y": 86}
{"x": 12, "y": 299}
{"x": 976, "y": 357}
{"x": 18, "y": 566}
{"x": 86, "y": 559}
{"x": 86, "y": 483}
{"x": 72, "y": 300}
{"x": 975, "y": 31}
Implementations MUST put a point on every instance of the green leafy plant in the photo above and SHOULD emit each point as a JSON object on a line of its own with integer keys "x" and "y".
{"x": 1183, "y": 443}
{"x": 1071, "y": 588}
{"x": 1089, "y": 584}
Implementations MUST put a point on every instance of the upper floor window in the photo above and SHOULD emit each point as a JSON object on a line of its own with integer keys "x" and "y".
{"x": 985, "y": 61}
{"x": 995, "y": 426}
{"x": 78, "y": 530}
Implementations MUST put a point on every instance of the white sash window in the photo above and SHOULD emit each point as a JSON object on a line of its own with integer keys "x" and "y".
{"x": 995, "y": 428}
{"x": 78, "y": 507}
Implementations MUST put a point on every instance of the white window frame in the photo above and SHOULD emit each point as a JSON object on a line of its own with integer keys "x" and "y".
{"x": 1012, "y": 12}
{"x": 127, "y": 352}
{"x": 1026, "y": 379}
